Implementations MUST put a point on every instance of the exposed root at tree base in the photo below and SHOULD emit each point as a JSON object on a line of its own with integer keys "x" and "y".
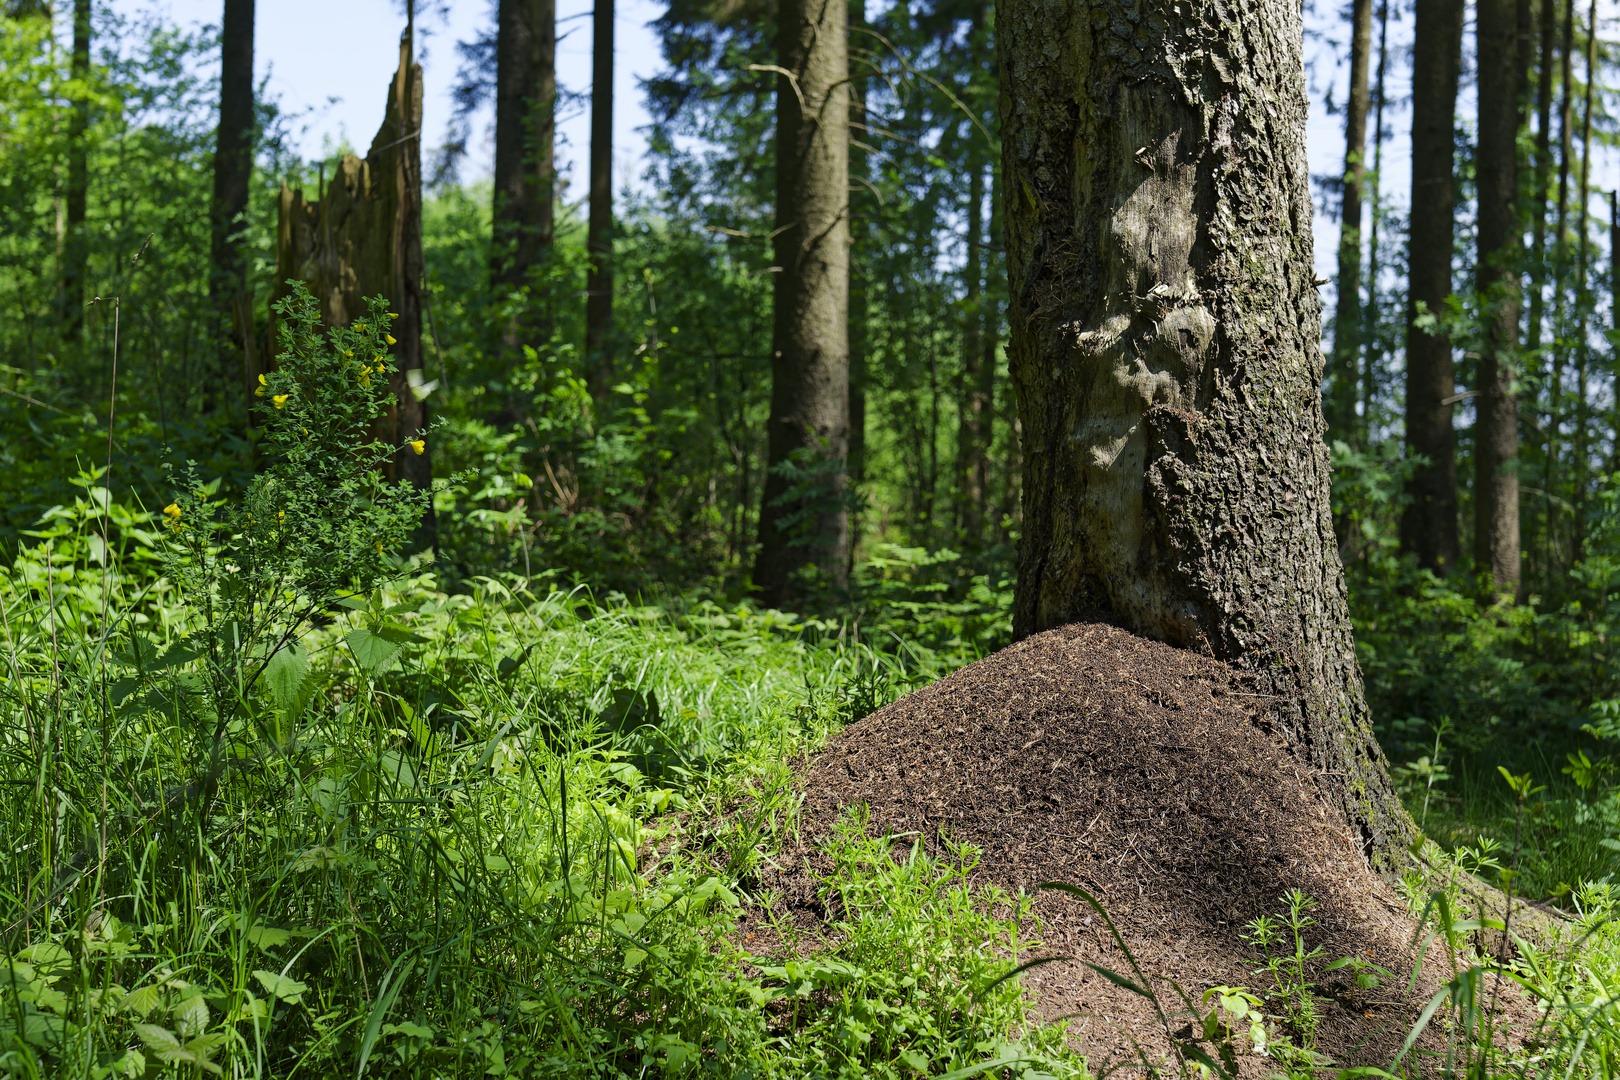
{"x": 1143, "y": 774}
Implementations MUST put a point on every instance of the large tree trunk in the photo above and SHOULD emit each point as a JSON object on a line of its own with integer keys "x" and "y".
{"x": 233, "y": 171}
{"x": 1429, "y": 524}
{"x": 363, "y": 237}
{"x": 1496, "y": 433}
{"x": 525, "y": 129}
{"x": 1166, "y": 355}
{"x": 599, "y": 236}
{"x": 1345, "y": 376}
{"x": 804, "y": 515}
{"x": 75, "y": 247}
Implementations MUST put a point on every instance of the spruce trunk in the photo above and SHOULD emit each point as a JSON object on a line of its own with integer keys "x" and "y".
{"x": 804, "y": 515}
{"x": 1167, "y": 360}
{"x": 75, "y": 246}
{"x": 599, "y": 234}
{"x": 1496, "y": 442}
{"x": 1429, "y": 524}
{"x": 233, "y": 171}
{"x": 525, "y": 131}
{"x": 1345, "y": 376}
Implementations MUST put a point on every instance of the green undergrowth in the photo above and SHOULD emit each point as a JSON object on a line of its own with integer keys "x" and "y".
{"x": 431, "y": 853}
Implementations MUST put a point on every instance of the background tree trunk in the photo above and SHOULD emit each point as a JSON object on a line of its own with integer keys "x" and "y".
{"x": 1166, "y": 355}
{"x": 233, "y": 171}
{"x": 803, "y": 517}
{"x": 862, "y": 206}
{"x": 1496, "y": 437}
{"x": 970, "y": 407}
{"x": 75, "y": 251}
{"x": 363, "y": 238}
{"x": 1429, "y": 525}
{"x": 599, "y": 238}
{"x": 525, "y": 131}
{"x": 1346, "y": 371}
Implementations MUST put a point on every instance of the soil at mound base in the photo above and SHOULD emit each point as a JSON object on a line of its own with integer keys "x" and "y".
{"x": 1143, "y": 773}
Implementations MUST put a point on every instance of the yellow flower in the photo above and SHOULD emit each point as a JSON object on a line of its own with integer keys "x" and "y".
{"x": 418, "y": 445}
{"x": 379, "y": 547}
{"x": 391, "y": 340}
{"x": 172, "y": 512}
{"x": 348, "y": 352}
{"x": 280, "y": 400}
{"x": 365, "y": 375}
{"x": 359, "y": 326}
{"x": 281, "y": 515}
{"x": 262, "y": 385}
{"x": 393, "y": 314}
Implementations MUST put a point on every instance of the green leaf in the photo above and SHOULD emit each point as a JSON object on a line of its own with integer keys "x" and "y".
{"x": 284, "y": 674}
{"x": 158, "y": 1040}
{"x": 266, "y": 938}
{"x": 371, "y": 650}
{"x": 287, "y": 989}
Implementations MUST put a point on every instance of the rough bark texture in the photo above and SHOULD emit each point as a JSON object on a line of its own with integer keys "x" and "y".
{"x": 74, "y": 248}
{"x": 599, "y": 237}
{"x": 525, "y": 134}
{"x": 804, "y": 518}
{"x": 861, "y": 203}
{"x": 363, "y": 238}
{"x": 1346, "y": 370}
{"x": 233, "y": 170}
{"x": 1166, "y": 355}
{"x": 1496, "y": 438}
{"x": 1429, "y": 525}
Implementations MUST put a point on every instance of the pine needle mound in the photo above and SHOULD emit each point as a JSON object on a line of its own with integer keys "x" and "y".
{"x": 1146, "y": 775}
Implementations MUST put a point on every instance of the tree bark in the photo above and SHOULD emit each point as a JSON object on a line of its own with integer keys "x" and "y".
{"x": 1166, "y": 355}
{"x": 1496, "y": 438}
{"x": 363, "y": 238}
{"x": 233, "y": 172}
{"x": 860, "y": 223}
{"x": 525, "y": 133}
{"x": 1429, "y": 523}
{"x": 75, "y": 249}
{"x": 1346, "y": 372}
{"x": 804, "y": 516}
{"x": 599, "y": 237}
{"x": 1538, "y": 198}
{"x": 970, "y": 406}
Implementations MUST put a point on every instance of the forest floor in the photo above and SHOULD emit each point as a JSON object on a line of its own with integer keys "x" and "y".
{"x": 1143, "y": 774}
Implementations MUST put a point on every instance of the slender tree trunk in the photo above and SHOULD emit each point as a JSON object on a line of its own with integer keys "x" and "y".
{"x": 1429, "y": 525}
{"x": 599, "y": 242}
{"x": 1496, "y": 438}
{"x": 803, "y": 517}
{"x": 75, "y": 249}
{"x": 1372, "y": 351}
{"x": 1583, "y": 306}
{"x": 1346, "y": 372}
{"x": 860, "y": 222}
{"x": 525, "y": 131}
{"x": 987, "y": 369}
{"x": 233, "y": 172}
{"x": 970, "y": 409}
{"x": 1166, "y": 354}
{"x": 1538, "y": 229}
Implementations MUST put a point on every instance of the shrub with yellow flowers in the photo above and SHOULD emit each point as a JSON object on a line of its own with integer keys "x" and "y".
{"x": 319, "y": 525}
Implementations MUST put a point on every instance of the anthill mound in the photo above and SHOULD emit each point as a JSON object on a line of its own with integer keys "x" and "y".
{"x": 1146, "y": 775}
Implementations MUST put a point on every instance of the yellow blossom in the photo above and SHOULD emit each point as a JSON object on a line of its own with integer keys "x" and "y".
{"x": 418, "y": 445}
{"x": 172, "y": 512}
{"x": 359, "y": 326}
{"x": 391, "y": 340}
{"x": 281, "y": 515}
{"x": 280, "y": 400}
{"x": 262, "y": 385}
{"x": 393, "y": 314}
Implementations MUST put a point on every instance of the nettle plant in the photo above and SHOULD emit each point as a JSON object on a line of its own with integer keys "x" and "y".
{"x": 319, "y": 527}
